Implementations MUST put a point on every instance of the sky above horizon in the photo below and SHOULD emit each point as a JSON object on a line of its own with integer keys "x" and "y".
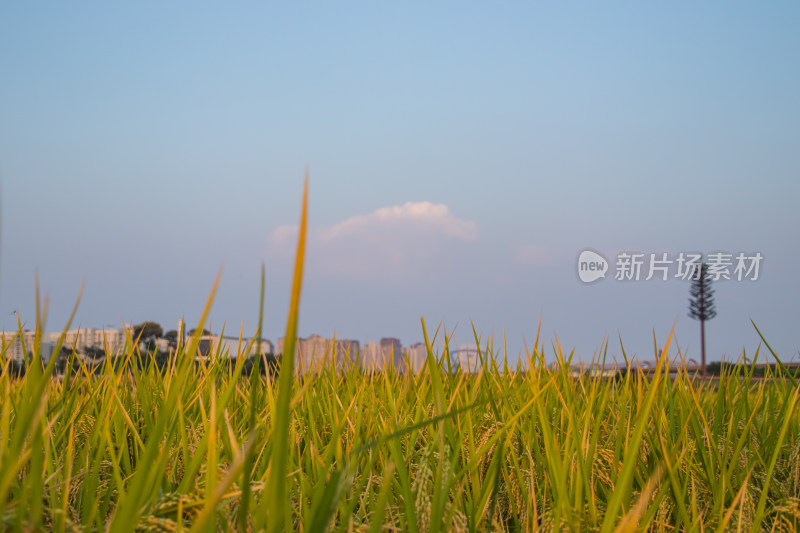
{"x": 460, "y": 157}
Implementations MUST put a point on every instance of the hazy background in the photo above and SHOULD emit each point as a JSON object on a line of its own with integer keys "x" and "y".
{"x": 142, "y": 146}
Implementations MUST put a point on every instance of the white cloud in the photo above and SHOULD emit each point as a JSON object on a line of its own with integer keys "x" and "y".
{"x": 433, "y": 217}
{"x": 392, "y": 243}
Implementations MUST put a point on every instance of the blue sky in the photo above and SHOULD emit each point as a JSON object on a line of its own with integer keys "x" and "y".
{"x": 461, "y": 155}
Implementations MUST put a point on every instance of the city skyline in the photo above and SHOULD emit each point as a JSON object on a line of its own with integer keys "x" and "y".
{"x": 310, "y": 352}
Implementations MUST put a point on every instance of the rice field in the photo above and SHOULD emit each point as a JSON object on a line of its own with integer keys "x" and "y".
{"x": 198, "y": 446}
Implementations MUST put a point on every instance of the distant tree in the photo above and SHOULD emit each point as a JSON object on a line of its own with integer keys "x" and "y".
{"x": 701, "y": 306}
{"x": 148, "y": 332}
{"x": 171, "y": 335}
{"x": 16, "y": 369}
{"x": 94, "y": 353}
{"x": 273, "y": 364}
{"x": 205, "y": 332}
{"x": 268, "y": 364}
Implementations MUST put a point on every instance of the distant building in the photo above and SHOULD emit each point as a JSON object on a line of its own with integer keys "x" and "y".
{"x": 347, "y": 352}
{"x": 463, "y": 358}
{"x": 312, "y": 352}
{"x": 370, "y": 357}
{"x": 163, "y": 345}
{"x": 467, "y": 358}
{"x": 393, "y": 351}
{"x": 266, "y": 347}
{"x": 12, "y": 345}
{"x": 417, "y": 355}
{"x": 308, "y": 352}
{"x": 380, "y": 356}
{"x": 230, "y": 347}
{"x": 227, "y": 346}
{"x": 112, "y": 340}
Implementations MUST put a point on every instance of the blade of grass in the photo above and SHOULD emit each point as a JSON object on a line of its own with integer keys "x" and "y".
{"x": 276, "y": 497}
